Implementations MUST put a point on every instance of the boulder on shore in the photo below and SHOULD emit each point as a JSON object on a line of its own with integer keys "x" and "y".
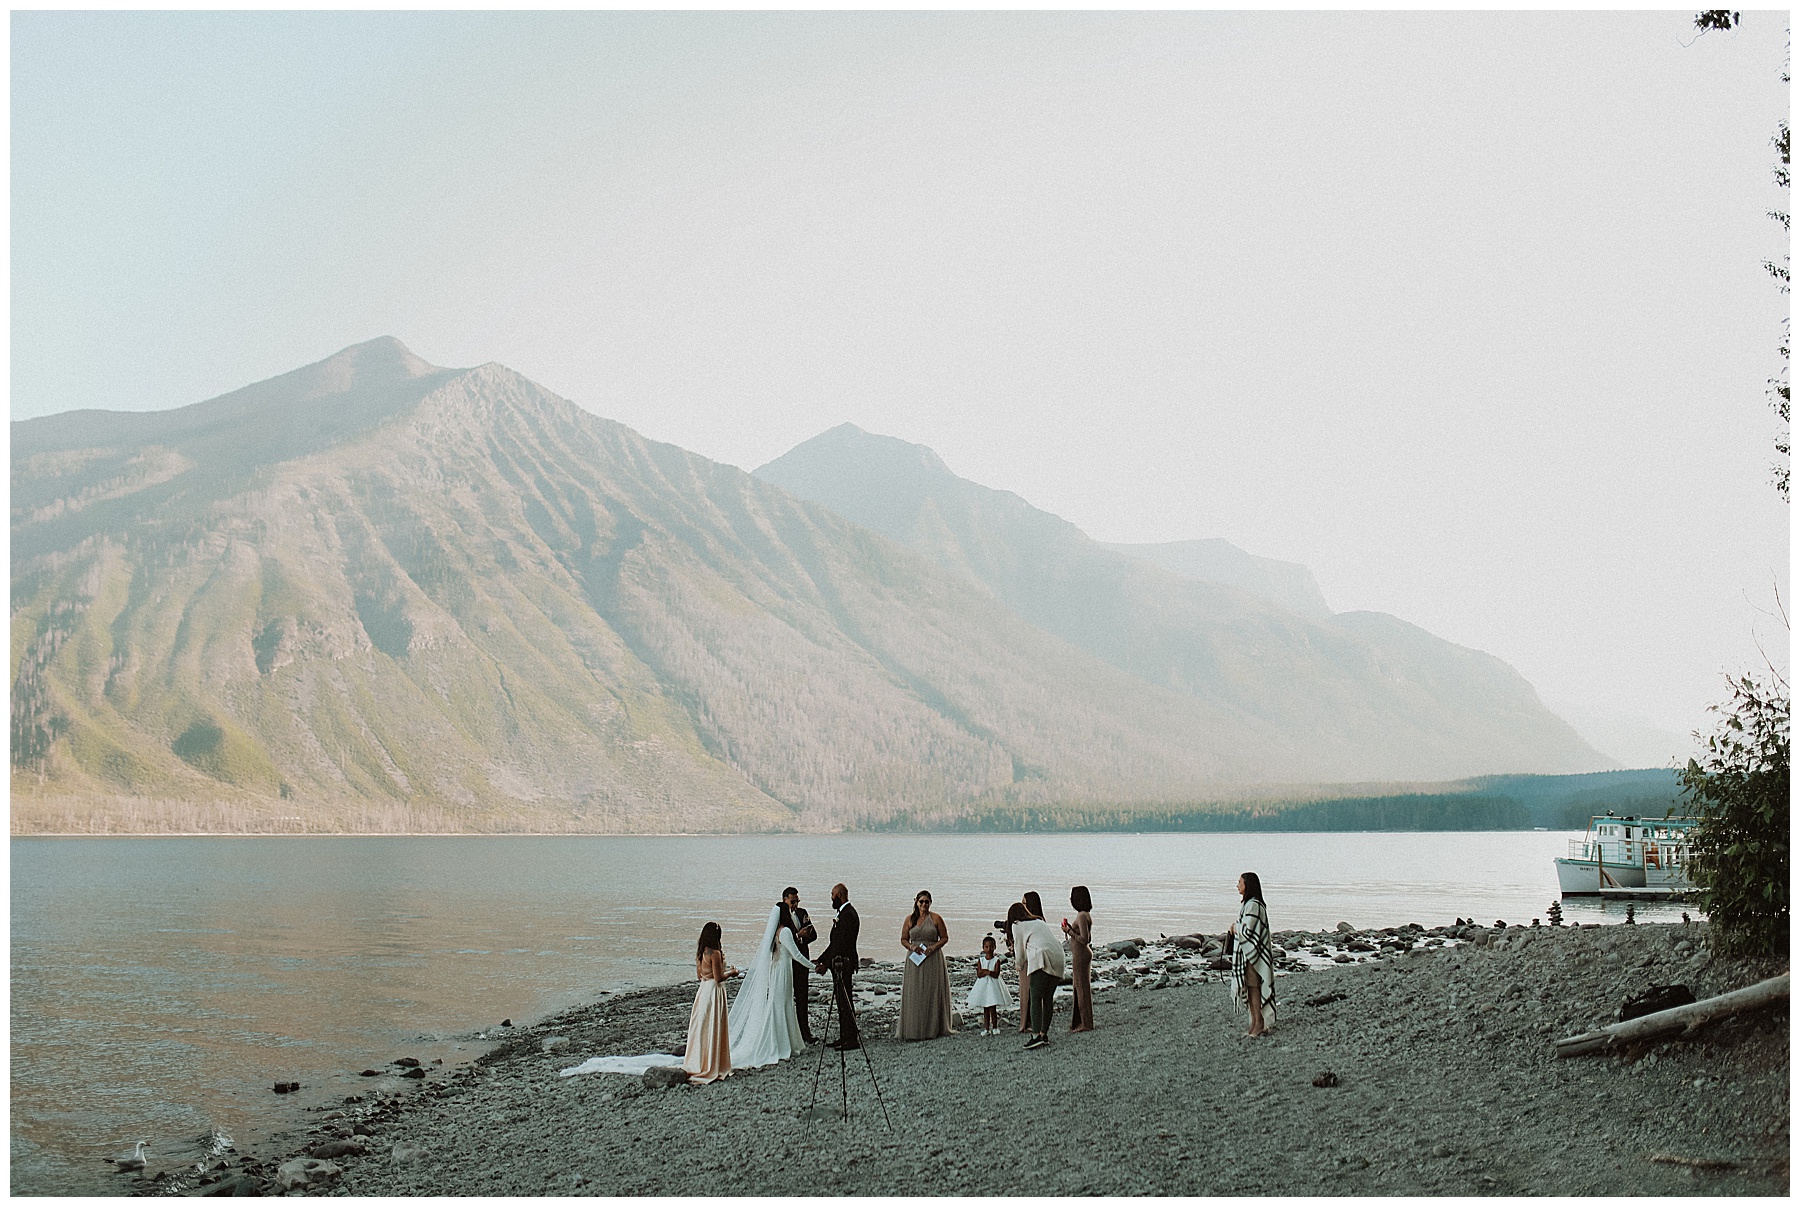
{"x": 306, "y": 1171}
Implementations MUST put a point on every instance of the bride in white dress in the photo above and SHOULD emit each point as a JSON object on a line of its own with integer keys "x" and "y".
{"x": 764, "y": 1025}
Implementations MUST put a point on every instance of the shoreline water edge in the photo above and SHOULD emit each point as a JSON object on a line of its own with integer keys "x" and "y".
{"x": 1403, "y": 1061}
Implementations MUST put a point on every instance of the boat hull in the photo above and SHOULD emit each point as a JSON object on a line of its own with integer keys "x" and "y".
{"x": 1582, "y": 877}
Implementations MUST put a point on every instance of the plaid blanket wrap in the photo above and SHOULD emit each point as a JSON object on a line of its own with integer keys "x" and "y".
{"x": 1254, "y": 949}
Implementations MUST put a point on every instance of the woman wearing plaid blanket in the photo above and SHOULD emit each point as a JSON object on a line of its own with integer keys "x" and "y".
{"x": 1253, "y": 956}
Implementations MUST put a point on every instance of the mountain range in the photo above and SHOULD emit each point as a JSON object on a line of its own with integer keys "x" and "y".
{"x": 377, "y": 594}
{"x": 1353, "y": 696}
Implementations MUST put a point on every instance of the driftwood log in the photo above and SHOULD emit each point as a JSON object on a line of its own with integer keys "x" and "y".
{"x": 1681, "y": 1018}
{"x": 1710, "y": 1163}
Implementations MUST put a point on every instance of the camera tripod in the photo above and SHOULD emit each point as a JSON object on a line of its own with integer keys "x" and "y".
{"x": 844, "y": 1063}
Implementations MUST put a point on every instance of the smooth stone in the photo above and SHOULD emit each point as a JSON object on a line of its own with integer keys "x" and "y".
{"x": 235, "y": 1186}
{"x": 664, "y": 1076}
{"x": 305, "y": 1171}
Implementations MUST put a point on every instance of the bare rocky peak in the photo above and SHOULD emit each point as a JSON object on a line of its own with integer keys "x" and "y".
{"x": 905, "y": 491}
{"x": 86, "y": 471}
{"x": 366, "y": 381}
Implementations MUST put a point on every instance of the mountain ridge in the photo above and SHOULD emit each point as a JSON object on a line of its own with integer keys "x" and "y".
{"x": 1214, "y": 559}
{"x": 417, "y": 598}
{"x": 1362, "y": 684}
{"x": 329, "y": 602}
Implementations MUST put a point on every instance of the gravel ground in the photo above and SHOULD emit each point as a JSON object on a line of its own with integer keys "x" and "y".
{"x": 1440, "y": 1042}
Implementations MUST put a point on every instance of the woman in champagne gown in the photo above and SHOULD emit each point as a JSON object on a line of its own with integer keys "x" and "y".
{"x": 709, "y": 1042}
{"x": 924, "y": 985}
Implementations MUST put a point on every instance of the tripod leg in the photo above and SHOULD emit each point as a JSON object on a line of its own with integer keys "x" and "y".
{"x": 877, "y": 1085}
{"x": 830, "y": 1013}
{"x": 844, "y": 1082}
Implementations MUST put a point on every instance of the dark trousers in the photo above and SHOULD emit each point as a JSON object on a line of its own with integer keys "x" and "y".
{"x": 841, "y": 972}
{"x": 802, "y": 974}
{"x": 1043, "y": 999}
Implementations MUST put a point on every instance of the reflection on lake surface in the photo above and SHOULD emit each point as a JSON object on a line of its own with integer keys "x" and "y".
{"x": 160, "y": 986}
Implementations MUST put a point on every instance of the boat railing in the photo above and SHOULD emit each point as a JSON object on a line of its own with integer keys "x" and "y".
{"x": 1622, "y": 851}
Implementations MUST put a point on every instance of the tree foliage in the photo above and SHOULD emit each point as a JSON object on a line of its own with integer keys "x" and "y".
{"x": 1778, "y": 385}
{"x": 1739, "y": 790}
{"x": 1725, "y": 19}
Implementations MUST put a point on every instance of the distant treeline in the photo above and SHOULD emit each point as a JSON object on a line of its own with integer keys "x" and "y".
{"x": 1441, "y": 811}
{"x": 1512, "y": 802}
{"x": 1566, "y": 802}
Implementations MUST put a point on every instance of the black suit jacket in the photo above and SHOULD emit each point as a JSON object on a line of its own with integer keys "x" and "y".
{"x": 802, "y": 924}
{"x": 843, "y": 937}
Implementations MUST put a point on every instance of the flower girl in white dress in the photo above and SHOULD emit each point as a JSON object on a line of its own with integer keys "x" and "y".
{"x": 990, "y": 992}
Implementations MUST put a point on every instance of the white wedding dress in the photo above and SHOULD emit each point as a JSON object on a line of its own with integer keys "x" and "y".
{"x": 765, "y": 1027}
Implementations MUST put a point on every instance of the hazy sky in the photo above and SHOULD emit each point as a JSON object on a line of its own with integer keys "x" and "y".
{"x": 1463, "y": 311}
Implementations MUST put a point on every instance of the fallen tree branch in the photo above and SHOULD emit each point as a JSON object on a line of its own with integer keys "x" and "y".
{"x": 1681, "y": 1018}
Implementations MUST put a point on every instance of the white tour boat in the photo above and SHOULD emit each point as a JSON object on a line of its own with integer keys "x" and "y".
{"x": 1641, "y": 857}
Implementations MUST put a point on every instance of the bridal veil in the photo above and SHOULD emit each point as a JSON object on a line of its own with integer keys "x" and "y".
{"x": 765, "y": 1027}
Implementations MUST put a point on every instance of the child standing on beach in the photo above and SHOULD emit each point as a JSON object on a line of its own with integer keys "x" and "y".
{"x": 990, "y": 992}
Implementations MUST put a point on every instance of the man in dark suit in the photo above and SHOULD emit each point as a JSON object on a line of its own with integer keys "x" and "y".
{"x": 840, "y": 957}
{"x": 804, "y": 934}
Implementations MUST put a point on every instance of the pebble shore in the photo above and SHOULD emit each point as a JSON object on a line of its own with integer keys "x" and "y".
{"x": 1438, "y": 1045}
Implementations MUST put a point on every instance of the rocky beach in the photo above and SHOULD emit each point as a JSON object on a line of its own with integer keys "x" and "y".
{"x": 1404, "y": 1061}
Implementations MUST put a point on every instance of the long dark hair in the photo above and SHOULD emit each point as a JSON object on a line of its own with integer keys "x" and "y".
{"x": 786, "y": 918}
{"x": 1253, "y": 887}
{"x": 709, "y": 941}
{"x": 1015, "y": 913}
{"x": 1078, "y": 897}
{"x": 1035, "y": 904}
{"x": 914, "y": 920}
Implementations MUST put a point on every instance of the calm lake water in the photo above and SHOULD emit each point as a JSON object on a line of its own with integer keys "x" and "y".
{"x": 161, "y": 986}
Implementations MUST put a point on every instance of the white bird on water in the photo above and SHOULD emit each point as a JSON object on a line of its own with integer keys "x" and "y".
{"x": 134, "y": 1159}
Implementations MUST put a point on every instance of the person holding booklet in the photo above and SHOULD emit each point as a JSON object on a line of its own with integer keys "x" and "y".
{"x": 924, "y": 977}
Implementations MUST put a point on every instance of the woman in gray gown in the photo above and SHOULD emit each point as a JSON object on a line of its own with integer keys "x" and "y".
{"x": 924, "y": 978}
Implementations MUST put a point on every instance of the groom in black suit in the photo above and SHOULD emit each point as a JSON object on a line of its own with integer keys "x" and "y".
{"x": 804, "y": 934}
{"x": 840, "y": 957}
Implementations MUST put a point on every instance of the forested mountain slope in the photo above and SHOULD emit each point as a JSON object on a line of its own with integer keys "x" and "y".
{"x": 1365, "y": 695}
{"x": 377, "y": 593}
